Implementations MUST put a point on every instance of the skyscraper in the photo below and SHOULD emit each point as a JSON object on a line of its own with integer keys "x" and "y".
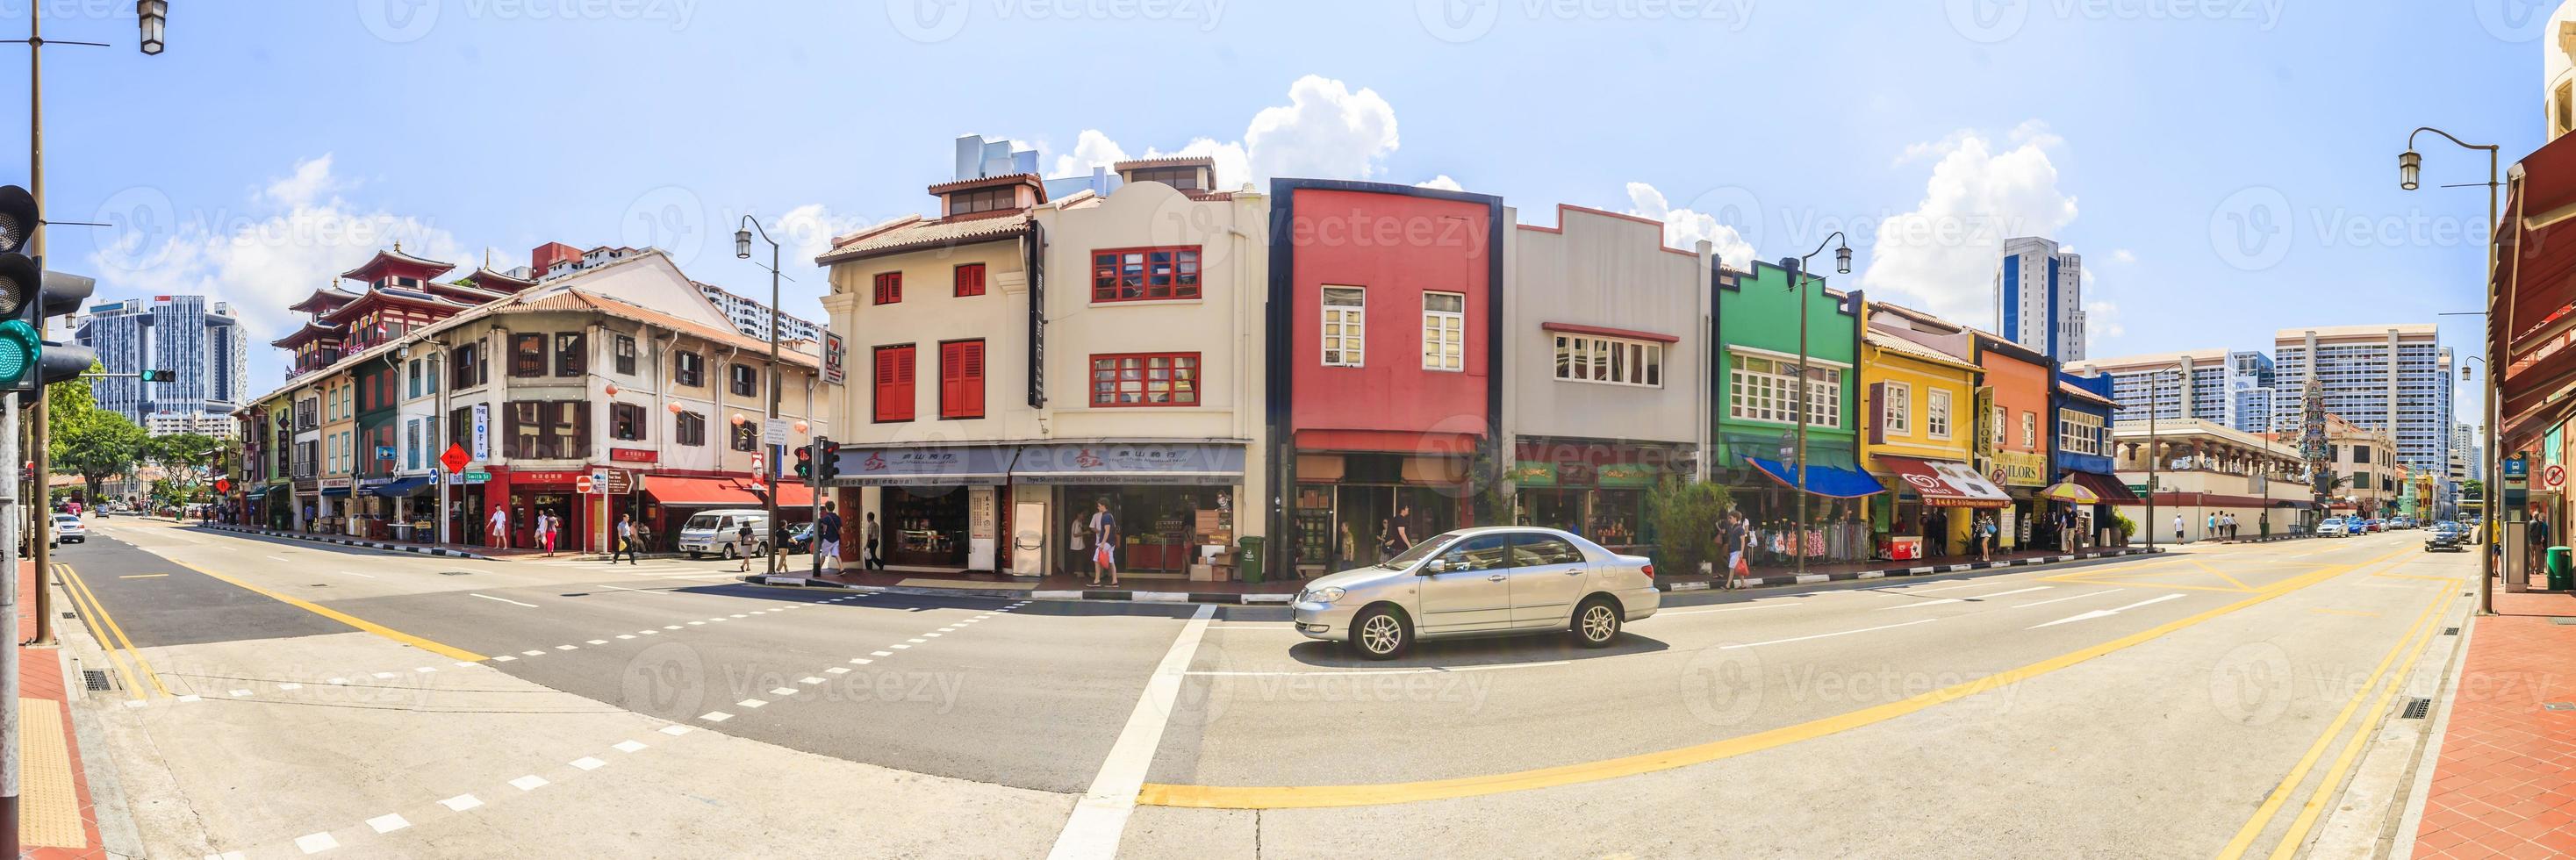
{"x": 201, "y": 343}
{"x": 2039, "y": 298}
{"x": 2391, "y": 377}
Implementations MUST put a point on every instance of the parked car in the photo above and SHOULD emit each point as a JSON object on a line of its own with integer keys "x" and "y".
{"x": 713, "y": 531}
{"x": 2372, "y": 526}
{"x": 800, "y": 538}
{"x": 2336, "y": 527}
{"x": 2445, "y": 536}
{"x": 69, "y": 529}
{"x": 1488, "y": 581}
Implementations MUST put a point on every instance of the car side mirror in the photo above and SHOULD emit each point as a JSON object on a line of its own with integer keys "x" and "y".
{"x": 1437, "y": 565}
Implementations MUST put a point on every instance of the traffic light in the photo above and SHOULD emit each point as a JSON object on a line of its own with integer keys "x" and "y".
{"x": 827, "y": 460}
{"x": 805, "y": 464}
{"x": 29, "y": 294}
{"x": 159, "y": 376}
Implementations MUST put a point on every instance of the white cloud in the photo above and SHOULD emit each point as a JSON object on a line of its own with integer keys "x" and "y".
{"x": 2123, "y": 255}
{"x": 296, "y": 236}
{"x": 1942, "y": 255}
{"x": 1442, "y": 182}
{"x": 2102, "y": 319}
{"x": 1684, "y": 228}
{"x": 1325, "y": 131}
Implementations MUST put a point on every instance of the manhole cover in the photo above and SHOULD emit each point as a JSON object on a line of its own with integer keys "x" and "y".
{"x": 2562, "y": 620}
{"x": 68, "y": 615}
{"x": 2417, "y": 708}
{"x": 95, "y": 680}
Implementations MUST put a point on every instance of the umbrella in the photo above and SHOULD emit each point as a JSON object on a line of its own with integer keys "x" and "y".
{"x": 2069, "y": 491}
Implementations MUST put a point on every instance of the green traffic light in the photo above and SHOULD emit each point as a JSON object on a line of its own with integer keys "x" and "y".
{"x": 20, "y": 348}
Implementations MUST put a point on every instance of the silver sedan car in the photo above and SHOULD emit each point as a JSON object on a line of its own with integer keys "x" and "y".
{"x": 1490, "y": 581}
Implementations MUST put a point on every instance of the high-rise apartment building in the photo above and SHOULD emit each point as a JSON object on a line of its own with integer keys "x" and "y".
{"x": 2379, "y": 377}
{"x": 752, "y": 318}
{"x": 555, "y": 260}
{"x": 2214, "y": 385}
{"x": 200, "y": 342}
{"x": 2039, "y": 298}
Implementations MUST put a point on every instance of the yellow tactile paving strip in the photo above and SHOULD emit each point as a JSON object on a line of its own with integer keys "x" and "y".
{"x": 48, "y": 805}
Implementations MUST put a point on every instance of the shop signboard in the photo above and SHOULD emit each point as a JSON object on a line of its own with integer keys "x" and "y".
{"x": 2022, "y": 468}
{"x": 483, "y": 432}
{"x": 834, "y": 352}
{"x": 958, "y": 465}
{"x": 634, "y": 455}
{"x": 1180, "y": 464}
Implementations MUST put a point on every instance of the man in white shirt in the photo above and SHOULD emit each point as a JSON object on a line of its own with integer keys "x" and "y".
{"x": 499, "y": 530}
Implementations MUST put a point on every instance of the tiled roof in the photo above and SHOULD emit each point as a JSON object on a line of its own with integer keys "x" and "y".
{"x": 579, "y": 300}
{"x": 1029, "y": 179}
{"x": 915, "y": 233}
{"x": 396, "y": 255}
{"x": 2072, "y": 390}
{"x": 1165, "y": 161}
{"x": 331, "y": 295}
{"x": 1894, "y": 343}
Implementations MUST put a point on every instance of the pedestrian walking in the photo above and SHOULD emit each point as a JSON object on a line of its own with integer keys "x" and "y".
{"x": 2177, "y": 528}
{"x": 1736, "y": 541}
{"x": 546, "y": 531}
{"x": 1104, "y": 535}
{"x": 872, "y": 558}
{"x": 625, "y": 539}
{"x": 1393, "y": 538}
{"x": 2210, "y": 530}
{"x": 498, "y": 531}
{"x": 742, "y": 547}
{"x": 1985, "y": 538}
{"x": 827, "y": 537}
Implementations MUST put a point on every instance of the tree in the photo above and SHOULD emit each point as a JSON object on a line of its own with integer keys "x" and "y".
{"x": 93, "y": 443}
{"x": 2472, "y": 488}
{"x": 1686, "y": 523}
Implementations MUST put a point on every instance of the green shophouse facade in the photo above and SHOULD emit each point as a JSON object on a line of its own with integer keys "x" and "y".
{"x": 1753, "y": 385}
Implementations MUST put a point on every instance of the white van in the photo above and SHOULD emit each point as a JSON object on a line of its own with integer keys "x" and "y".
{"x": 714, "y": 531}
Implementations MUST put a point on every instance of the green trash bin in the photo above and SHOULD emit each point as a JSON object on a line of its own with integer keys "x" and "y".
{"x": 1248, "y": 559}
{"x": 2562, "y": 569}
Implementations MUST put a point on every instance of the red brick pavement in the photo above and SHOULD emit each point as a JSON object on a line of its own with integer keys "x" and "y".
{"x": 2506, "y": 782}
{"x": 40, "y": 680}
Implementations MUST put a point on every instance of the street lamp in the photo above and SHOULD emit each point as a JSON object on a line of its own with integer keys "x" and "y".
{"x": 152, "y": 16}
{"x": 2410, "y": 166}
{"x": 742, "y": 250}
{"x": 1797, "y": 281}
{"x": 2152, "y": 454}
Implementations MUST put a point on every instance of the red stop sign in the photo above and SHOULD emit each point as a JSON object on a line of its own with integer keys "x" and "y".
{"x": 454, "y": 459}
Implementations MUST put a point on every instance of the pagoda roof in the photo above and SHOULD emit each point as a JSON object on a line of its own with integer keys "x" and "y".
{"x": 393, "y": 260}
{"x": 310, "y": 332}
{"x": 498, "y": 283}
{"x": 323, "y": 300}
{"x": 401, "y": 295}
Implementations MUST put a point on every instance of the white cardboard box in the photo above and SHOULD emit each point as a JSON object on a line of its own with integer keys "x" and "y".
{"x": 1202, "y": 573}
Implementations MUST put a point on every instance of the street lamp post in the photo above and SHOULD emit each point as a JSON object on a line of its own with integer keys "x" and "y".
{"x": 2410, "y": 165}
{"x": 742, "y": 250}
{"x": 1797, "y": 281}
{"x": 2152, "y": 456}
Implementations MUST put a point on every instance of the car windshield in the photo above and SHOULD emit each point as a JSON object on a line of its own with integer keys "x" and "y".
{"x": 1419, "y": 551}
{"x": 702, "y": 522}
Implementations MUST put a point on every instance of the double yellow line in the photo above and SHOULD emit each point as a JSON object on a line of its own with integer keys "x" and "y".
{"x": 111, "y": 637}
{"x": 2417, "y": 640}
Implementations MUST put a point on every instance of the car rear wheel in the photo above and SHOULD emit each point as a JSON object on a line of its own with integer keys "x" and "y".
{"x": 728, "y": 552}
{"x": 1596, "y": 623}
{"x": 1380, "y": 634}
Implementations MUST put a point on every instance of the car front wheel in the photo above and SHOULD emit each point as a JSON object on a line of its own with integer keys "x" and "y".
{"x": 1596, "y": 623}
{"x": 1380, "y": 634}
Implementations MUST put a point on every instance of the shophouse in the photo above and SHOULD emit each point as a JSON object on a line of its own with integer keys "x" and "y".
{"x": 1921, "y": 404}
{"x": 1769, "y": 334}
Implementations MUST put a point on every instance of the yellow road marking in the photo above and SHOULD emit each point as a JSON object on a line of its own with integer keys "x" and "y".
{"x": 80, "y": 589}
{"x": 2352, "y": 748}
{"x": 2352, "y": 612}
{"x": 143, "y": 576}
{"x": 450, "y": 651}
{"x": 2415, "y": 576}
{"x": 2289, "y": 785}
{"x": 1287, "y": 797}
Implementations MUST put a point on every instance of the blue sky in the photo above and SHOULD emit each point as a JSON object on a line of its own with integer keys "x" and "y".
{"x": 2227, "y": 168}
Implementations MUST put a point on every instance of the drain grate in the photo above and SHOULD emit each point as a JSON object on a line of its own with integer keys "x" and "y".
{"x": 2417, "y": 708}
{"x": 2558, "y": 706}
{"x": 2450, "y": 631}
{"x": 2561, "y": 619}
{"x": 94, "y": 680}
{"x": 68, "y": 616}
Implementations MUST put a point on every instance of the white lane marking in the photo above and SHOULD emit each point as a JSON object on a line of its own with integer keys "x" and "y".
{"x": 290, "y": 686}
{"x": 384, "y": 674}
{"x": 751, "y": 703}
{"x": 588, "y": 763}
{"x": 567, "y": 647}
{"x": 1658, "y": 614}
{"x": 628, "y": 747}
{"x": 2072, "y": 597}
{"x": 531, "y": 782}
{"x": 715, "y": 716}
{"x": 860, "y": 661}
{"x": 675, "y": 730}
{"x": 275, "y": 558}
{"x": 502, "y": 599}
{"x": 1427, "y": 670}
{"x": 1963, "y": 599}
{"x": 503, "y": 658}
{"x": 597, "y": 642}
{"x": 314, "y": 843}
{"x": 357, "y": 574}
{"x": 1100, "y": 818}
{"x": 1823, "y": 635}
{"x": 533, "y": 653}
{"x": 629, "y": 635}
{"x": 636, "y": 590}
{"x": 1912, "y": 590}
{"x": 388, "y": 822}
{"x": 2105, "y": 613}
{"x": 783, "y": 691}
{"x": 696, "y": 623}
{"x": 240, "y": 693}
{"x": 837, "y": 670}
{"x": 461, "y": 802}
{"x": 670, "y": 627}
{"x": 809, "y": 679}
{"x": 426, "y": 669}
{"x": 917, "y": 641}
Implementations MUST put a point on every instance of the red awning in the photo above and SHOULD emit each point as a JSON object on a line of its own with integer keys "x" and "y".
{"x": 793, "y": 495}
{"x": 709, "y": 492}
{"x": 2532, "y": 312}
{"x": 1945, "y": 483}
{"x": 2109, "y": 488}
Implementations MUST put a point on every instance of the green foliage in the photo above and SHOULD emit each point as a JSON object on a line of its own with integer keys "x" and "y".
{"x": 1686, "y": 515}
{"x": 2472, "y": 488}
{"x": 93, "y": 443}
{"x": 2128, "y": 527}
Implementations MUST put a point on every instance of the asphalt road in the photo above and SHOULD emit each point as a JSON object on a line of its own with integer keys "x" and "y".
{"x": 2154, "y": 707}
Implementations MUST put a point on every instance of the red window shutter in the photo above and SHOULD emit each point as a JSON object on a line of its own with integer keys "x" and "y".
{"x": 970, "y": 381}
{"x": 951, "y": 378}
{"x": 894, "y": 383}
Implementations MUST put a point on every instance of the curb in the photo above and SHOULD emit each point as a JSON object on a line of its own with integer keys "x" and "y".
{"x": 1230, "y": 598}
{"x": 1920, "y": 570}
{"x": 348, "y": 541}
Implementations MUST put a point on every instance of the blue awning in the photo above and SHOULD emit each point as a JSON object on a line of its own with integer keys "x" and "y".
{"x": 400, "y": 486}
{"x": 1825, "y": 481}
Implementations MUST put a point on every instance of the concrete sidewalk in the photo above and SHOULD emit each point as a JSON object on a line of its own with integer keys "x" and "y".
{"x": 55, "y": 816}
{"x": 450, "y": 550}
{"x": 2505, "y": 784}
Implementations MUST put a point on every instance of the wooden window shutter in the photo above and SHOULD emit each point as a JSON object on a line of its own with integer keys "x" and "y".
{"x": 970, "y": 381}
{"x": 1878, "y": 413}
